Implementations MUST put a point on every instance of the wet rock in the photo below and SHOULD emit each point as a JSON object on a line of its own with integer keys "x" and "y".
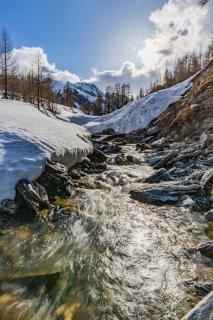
{"x": 74, "y": 174}
{"x": 167, "y": 193}
{"x": 88, "y": 167}
{"x": 8, "y": 207}
{"x": 207, "y": 181}
{"x": 160, "y": 143}
{"x": 181, "y": 172}
{"x": 209, "y": 215}
{"x": 108, "y": 131}
{"x": 143, "y": 146}
{"x": 196, "y": 175}
{"x": 203, "y": 289}
{"x": 32, "y": 195}
{"x": 184, "y": 156}
{"x": 153, "y": 131}
{"x": 203, "y": 310}
{"x": 179, "y": 164}
{"x": 187, "y": 202}
{"x": 111, "y": 148}
{"x": 203, "y": 138}
{"x": 165, "y": 159}
{"x": 55, "y": 180}
{"x": 91, "y": 184}
{"x": 119, "y": 137}
{"x": 206, "y": 249}
{"x": 65, "y": 214}
{"x": 97, "y": 156}
{"x": 133, "y": 159}
{"x": 134, "y": 137}
{"x": 121, "y": 160}
{"x": 104, "y": 146}
{"x": 149, "y": 139}
{"x": 158, "y": 176}
{"x": 209, "y": 141}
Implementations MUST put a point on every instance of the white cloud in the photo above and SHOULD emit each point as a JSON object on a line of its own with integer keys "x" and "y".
{"x": 25, "y": 58}
{"x": 127, "y": 73}
{"x": 180, "y": 27}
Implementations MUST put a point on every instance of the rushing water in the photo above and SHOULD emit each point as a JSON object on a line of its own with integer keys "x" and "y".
{"x": 122, "y": 260}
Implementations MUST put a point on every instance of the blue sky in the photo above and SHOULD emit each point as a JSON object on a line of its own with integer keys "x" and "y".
{"x": 106, "y": 41}
{"x": 80, "y": 34}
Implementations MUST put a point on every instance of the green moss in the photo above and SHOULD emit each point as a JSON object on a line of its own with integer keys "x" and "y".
{"x": 209, "y": 231}
{"x": 68, "y": 204}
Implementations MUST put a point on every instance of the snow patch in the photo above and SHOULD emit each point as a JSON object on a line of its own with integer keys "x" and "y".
{"x": 28, "y": 138}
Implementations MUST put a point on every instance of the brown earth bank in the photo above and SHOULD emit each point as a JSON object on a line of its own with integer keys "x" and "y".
{"x": 193, "y": 114}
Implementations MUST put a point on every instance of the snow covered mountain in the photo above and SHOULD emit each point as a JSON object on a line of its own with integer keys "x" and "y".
{"x": 83, "y": 92}
{"x": 137, "y": 114}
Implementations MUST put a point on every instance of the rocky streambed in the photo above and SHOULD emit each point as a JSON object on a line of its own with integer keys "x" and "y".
{"x": 126, "y": 234}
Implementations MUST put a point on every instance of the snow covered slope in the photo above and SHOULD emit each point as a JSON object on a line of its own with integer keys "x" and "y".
{"x": 73, "y": 115}
{"x": 28, "y": 137}
{"x": 137, "y": 114}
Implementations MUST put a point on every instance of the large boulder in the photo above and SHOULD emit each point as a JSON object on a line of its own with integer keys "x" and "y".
{"x": 206, "y": 249}
{"x": 165, "y": 194}
{"x": 55, "y": 180}
{"x": 31, "y": 195}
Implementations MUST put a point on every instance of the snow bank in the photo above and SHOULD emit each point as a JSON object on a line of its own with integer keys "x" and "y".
{"x": 28, "y": 138}
{"x": 137, "y": 114}
{"x": 67, "y": 114}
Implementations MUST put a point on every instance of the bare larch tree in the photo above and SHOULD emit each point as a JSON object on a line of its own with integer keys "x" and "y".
{"x": 5, "y": 59}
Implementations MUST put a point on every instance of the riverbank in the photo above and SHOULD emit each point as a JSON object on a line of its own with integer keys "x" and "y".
{"x": 100, "y": 254}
